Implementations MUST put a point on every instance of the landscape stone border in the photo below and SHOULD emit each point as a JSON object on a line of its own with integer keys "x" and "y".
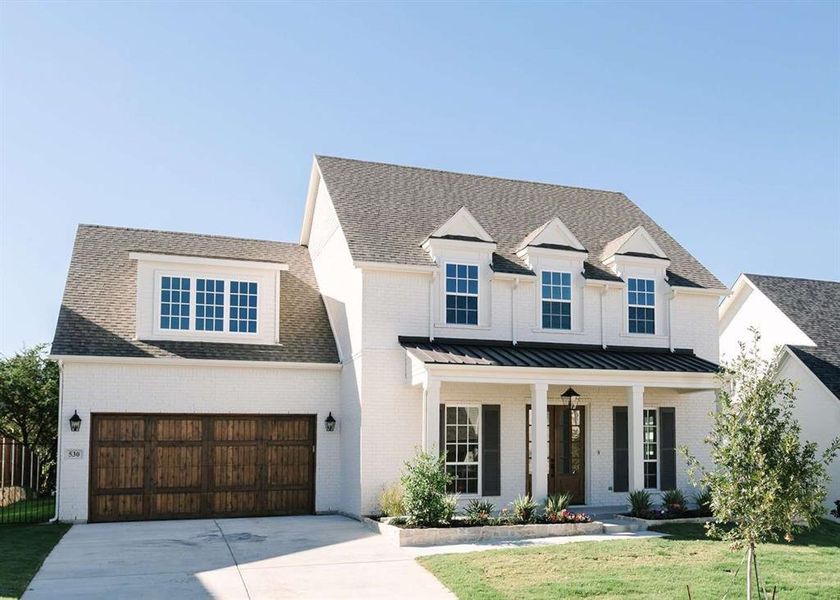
{"x": 650, "y": 522}
{"x": 439, "y": 536}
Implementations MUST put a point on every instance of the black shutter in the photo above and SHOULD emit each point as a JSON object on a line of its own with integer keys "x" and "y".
{"x": 621, "y": 455}
{"x": 491, "y": 475}
{"x": 668, "y": 452}
{"x": 442, "y": 436}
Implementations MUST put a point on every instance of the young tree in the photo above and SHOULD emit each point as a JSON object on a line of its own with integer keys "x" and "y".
{"x": 29, "y": 402}
{"x": 766, "y": 482}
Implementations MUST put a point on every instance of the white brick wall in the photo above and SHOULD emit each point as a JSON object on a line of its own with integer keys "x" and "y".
{"x": 143, "y": 388}
{"x": 381, "y": 415}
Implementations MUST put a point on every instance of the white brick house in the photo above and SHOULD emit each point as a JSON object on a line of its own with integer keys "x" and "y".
{"x": 801, "y": 319}
{"x": 421, "y": 309}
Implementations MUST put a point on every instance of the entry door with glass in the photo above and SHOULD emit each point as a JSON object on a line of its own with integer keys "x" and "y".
{"x": 566, "y": 452}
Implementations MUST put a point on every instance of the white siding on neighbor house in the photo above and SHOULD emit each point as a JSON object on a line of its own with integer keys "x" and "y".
{"x": 751, "y": 308}
{"x": 818, "y": 412}
{"x": 816, "y": 408}
{"x": 143, "y": 388}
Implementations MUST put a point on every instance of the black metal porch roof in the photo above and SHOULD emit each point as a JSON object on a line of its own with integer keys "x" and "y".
{"x": 447, "y": 351}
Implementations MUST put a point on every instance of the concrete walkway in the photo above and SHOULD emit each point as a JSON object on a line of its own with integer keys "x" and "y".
{"x": 274, "y": 557}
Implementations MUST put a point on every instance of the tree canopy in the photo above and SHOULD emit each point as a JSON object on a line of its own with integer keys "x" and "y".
{"x": 29, "y": 401}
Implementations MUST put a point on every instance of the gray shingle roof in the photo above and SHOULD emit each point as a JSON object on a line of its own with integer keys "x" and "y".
{"x": 97, "y": 315}
{"x": 386, "y": 211}
{"x": 814, "y": 306}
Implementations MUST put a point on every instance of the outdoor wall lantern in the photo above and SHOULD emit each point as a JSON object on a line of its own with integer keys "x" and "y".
{"x": 75, "y": 421}
{"x": 329, "y": 422}
{"x": 572, "y": 397}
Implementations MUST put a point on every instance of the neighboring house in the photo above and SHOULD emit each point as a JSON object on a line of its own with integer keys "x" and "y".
{"x": 802, "y": 318}
{"x": 421, "y": 309}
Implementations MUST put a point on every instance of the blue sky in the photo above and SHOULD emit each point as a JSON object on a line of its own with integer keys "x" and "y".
{"x": 722, "y": 121}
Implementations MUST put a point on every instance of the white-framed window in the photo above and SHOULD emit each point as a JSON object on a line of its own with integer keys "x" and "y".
{"x": 641, "y": 305}
{"x": 556, "y": 298}
{"x": 463, "y": 453}
{"x": 243, "y": 306}
{"x": 650, "y": 448}
{"x": 208, "y": 304}
{"x": 461, "y": 294}
{"x": 175, "y": 303}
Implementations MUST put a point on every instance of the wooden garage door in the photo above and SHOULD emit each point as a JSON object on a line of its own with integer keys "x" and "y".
{"x": 183, "y": 466}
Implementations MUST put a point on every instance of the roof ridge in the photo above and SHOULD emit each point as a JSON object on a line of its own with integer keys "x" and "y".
{"x": 792, "y": 278}
{"x": 530, "y": 181}
{"x": 189, "y": 233}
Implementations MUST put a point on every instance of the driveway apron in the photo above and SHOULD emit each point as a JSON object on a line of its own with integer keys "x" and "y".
{"x": 253, "y": 558}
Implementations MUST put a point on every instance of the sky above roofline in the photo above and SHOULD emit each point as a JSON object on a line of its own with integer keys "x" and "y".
{"x": 205, "y": 118}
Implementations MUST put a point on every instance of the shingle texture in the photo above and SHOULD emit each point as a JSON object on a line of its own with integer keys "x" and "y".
{"x": 97, "y": 315}
{"x": 556, "y": 356}
{"x": 386, "y": 211}
{"x": 815, "y": 308}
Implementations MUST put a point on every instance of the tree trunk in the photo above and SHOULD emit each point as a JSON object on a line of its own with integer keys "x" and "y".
{"x": 749, "y": 570}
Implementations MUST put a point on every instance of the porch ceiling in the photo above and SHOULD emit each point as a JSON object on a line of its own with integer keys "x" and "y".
{"x": 445, "y": 351}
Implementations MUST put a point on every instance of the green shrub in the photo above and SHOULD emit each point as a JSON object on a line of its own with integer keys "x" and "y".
{"x": 555, "y": 506}
{"x": 479, "y": 512}
{"x": 524, "y": 509}
{"x": 424, "y": 480}
{"x": 673, "y": 502}
{"x": 703, "y": 500}
{"x": 391, "y": 501}
{"x": 640, "y": 504}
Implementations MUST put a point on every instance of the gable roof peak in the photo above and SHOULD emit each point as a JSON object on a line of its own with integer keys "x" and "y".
{"x": 552, "y": 233}
{"x": 462, "y": 225}
{"x": 636, "y": 242}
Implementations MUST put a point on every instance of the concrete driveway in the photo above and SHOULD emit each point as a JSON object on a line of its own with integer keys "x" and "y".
{"x": 273, "y": 557}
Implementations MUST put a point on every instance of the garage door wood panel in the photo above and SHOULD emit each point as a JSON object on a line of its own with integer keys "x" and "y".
{"x": 182, "y": 466}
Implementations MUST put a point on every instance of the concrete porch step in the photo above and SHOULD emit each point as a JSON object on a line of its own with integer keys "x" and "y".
{"x": 620, "y": 526}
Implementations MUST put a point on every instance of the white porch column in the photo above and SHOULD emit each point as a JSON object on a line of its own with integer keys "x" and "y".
{"x": 431, "y": 415}
{"x": 635, "y": 404}
{"x": 539, "y": 441}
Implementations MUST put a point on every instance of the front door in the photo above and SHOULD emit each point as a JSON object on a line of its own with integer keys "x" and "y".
{"x": 566, "y": 452}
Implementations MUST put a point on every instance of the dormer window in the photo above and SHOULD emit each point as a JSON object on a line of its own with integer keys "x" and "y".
{"x": 556, "y": 300}
{"x": 243, "y": 306}
{"x": 205, "y": 312}
{"x": 175, "y": 303}
{"x": 641, "y": 305}
{"x": 209, "y": 305}
{"x": 208, "y": 299}
{"x": 461, "y": 294}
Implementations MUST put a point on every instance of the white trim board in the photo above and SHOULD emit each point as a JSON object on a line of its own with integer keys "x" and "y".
{"x": 208, "y": 262}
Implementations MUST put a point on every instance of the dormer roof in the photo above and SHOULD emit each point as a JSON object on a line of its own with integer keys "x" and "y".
{"x": 636, "y": 242}
{"x": 462, "y": 226}
{"x": 552, "y": 235}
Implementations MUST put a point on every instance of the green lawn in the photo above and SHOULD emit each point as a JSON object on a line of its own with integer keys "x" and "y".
{"x": 37, "y": 510}
{"x": 22, "y": 550}
{"x": 657, "y": 568}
